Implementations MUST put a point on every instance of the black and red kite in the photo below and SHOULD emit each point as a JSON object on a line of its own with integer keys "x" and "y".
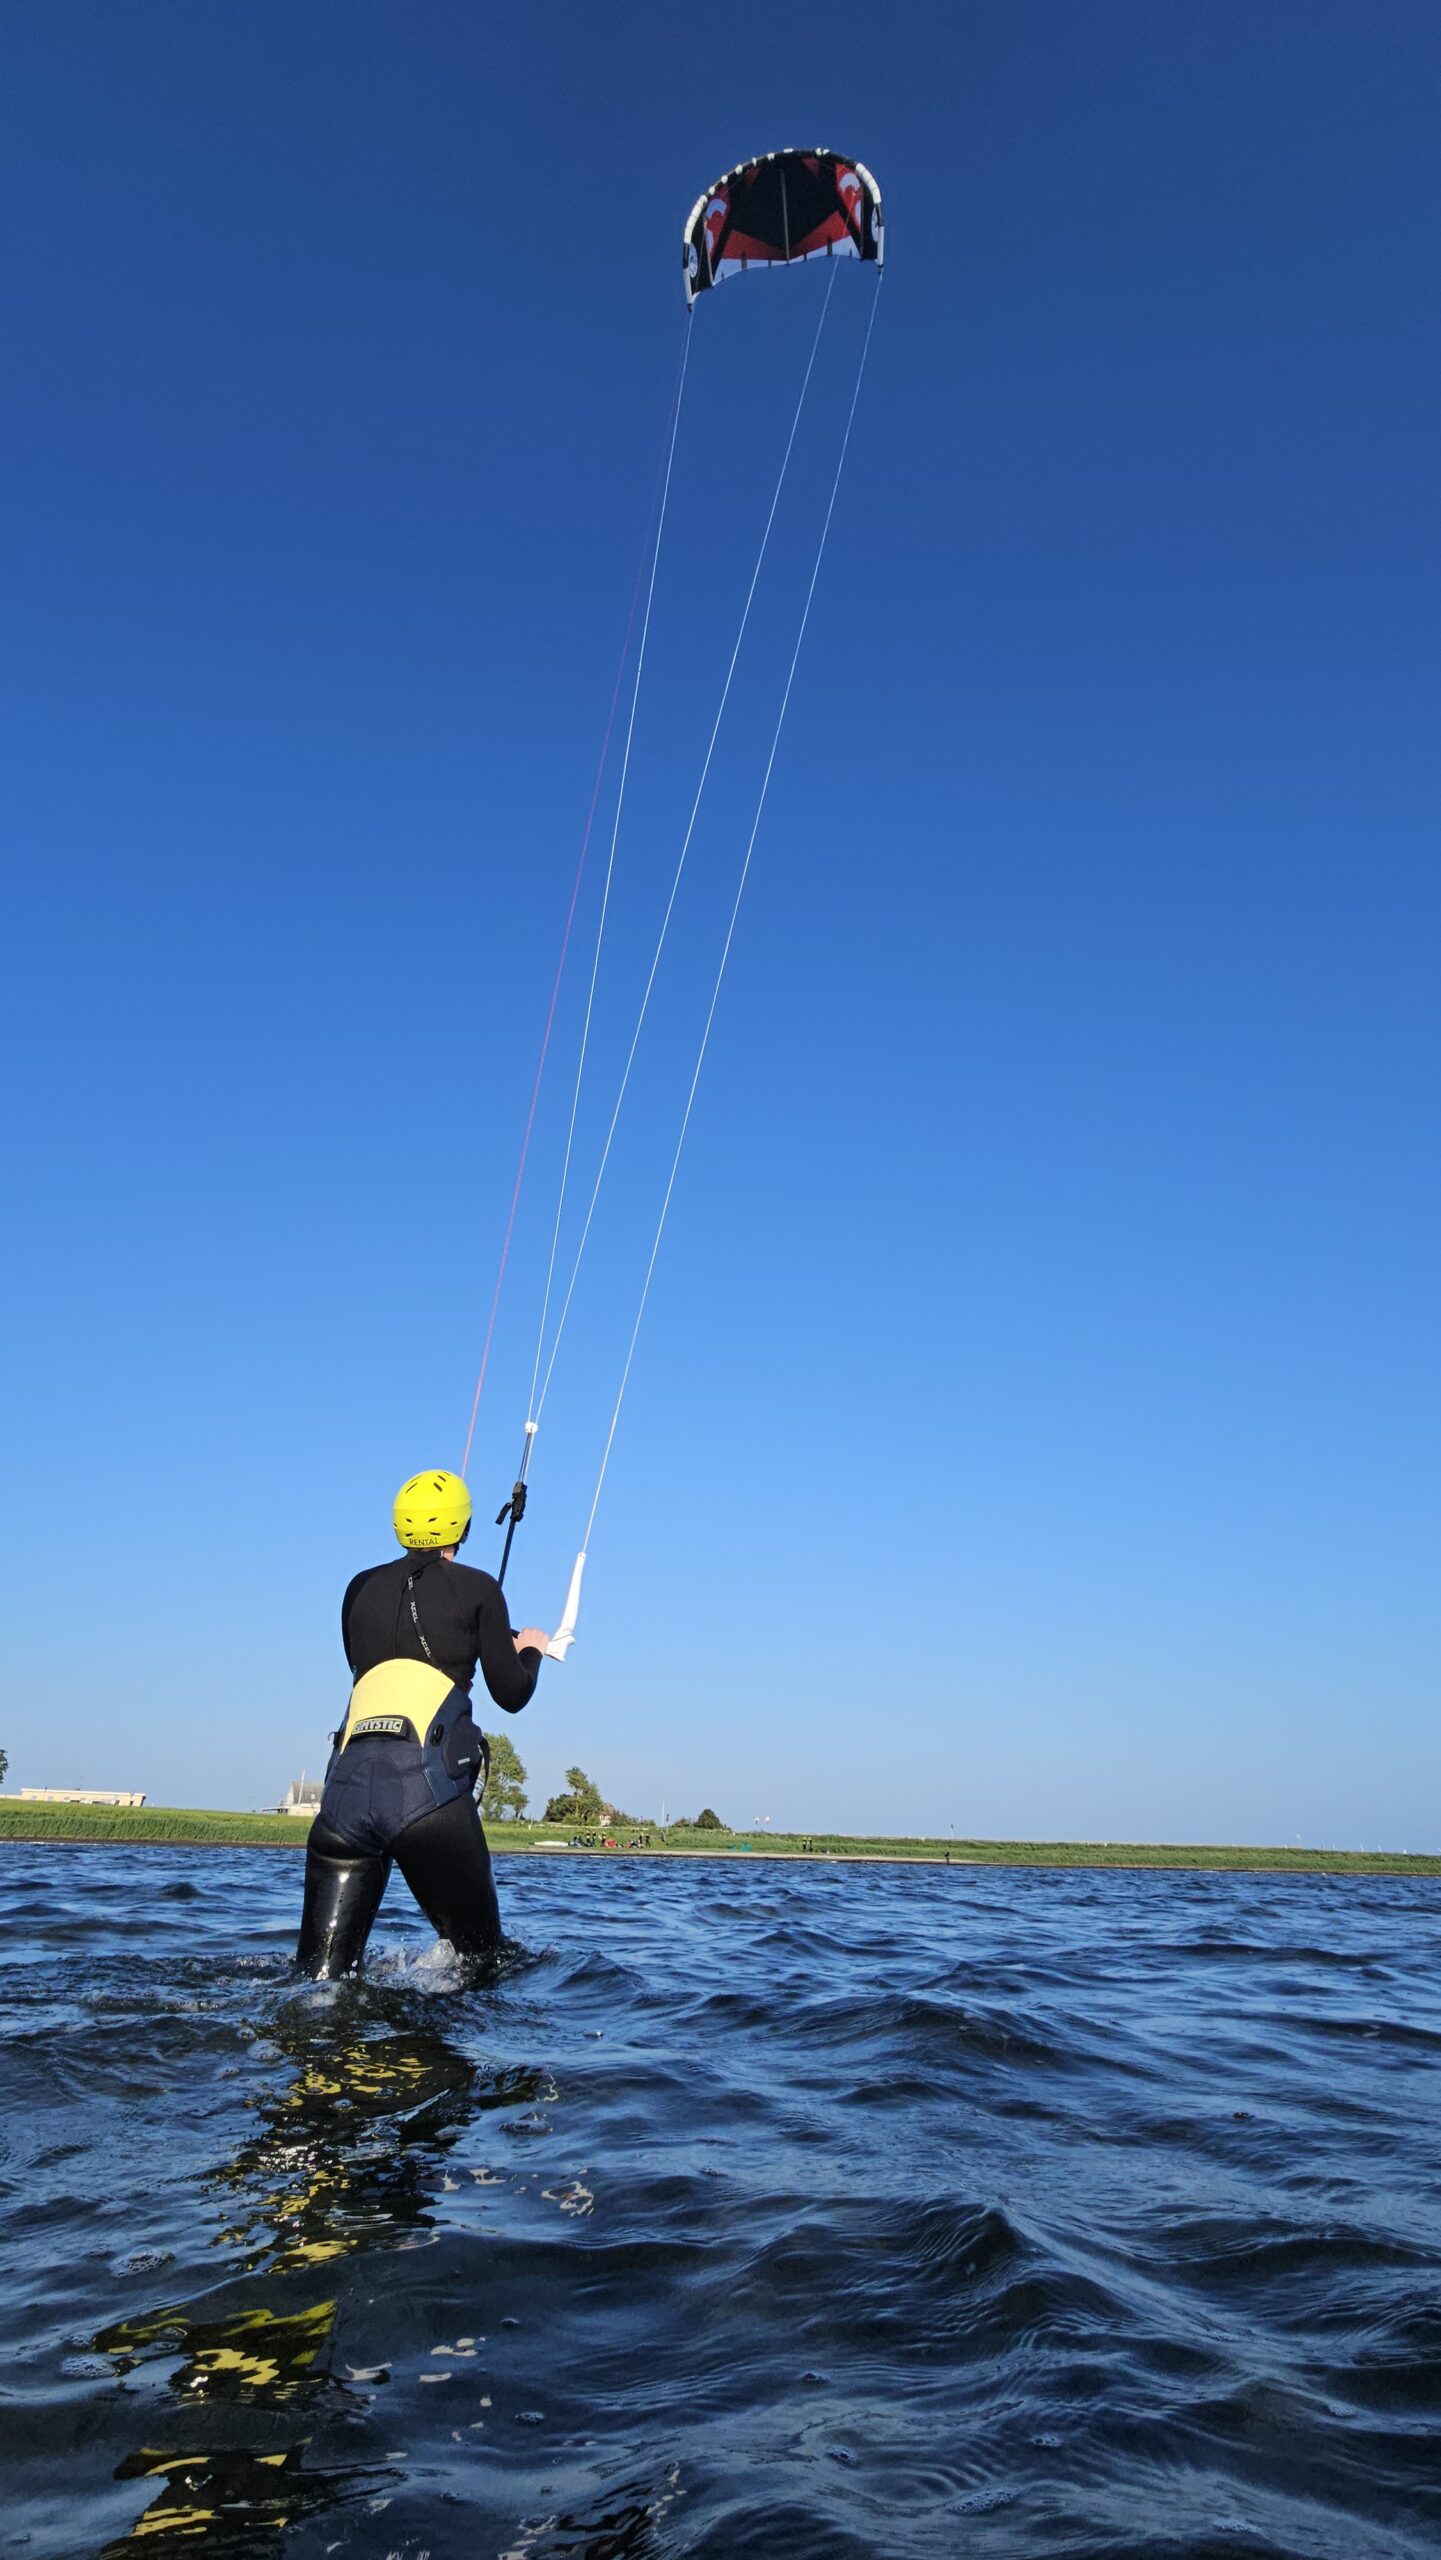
{"x": 772, "y": 211}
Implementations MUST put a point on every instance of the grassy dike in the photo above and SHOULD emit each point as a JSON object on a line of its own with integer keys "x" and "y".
{"x": 162, "y": 1824}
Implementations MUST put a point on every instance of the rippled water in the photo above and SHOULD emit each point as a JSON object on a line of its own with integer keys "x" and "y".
{"x": 755, "y": 2209}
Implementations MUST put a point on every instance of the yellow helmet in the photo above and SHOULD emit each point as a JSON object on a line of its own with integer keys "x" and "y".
{"x": 432, "y": 1510}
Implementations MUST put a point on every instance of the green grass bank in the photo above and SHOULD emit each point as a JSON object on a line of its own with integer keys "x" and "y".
{"x": 181, "y": 1824}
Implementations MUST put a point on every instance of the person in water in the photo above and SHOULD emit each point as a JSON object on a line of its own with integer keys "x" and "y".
{"x": 401, "y": 1782}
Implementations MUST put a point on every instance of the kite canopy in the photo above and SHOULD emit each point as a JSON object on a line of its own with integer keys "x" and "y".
{"x": 772, "y": 211}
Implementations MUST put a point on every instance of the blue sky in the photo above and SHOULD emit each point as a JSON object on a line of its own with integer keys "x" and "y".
{"x": 1035, "y": 1424}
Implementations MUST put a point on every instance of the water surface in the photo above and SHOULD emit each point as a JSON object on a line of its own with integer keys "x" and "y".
{"x": 755, "y": 2209}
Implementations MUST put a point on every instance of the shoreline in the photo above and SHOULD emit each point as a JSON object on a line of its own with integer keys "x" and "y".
{"x": 162, "y": 1826}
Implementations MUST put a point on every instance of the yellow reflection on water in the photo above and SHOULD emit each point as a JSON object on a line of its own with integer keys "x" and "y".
{"x": 347, "y": 2158}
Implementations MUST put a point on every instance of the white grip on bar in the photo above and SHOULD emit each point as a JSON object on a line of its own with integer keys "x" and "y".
{"x": 564, "y": 1636}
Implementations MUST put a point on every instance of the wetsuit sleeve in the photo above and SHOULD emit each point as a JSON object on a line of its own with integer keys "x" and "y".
{"x": 351, "y": 1589}
{"x": 509, "y": 1676}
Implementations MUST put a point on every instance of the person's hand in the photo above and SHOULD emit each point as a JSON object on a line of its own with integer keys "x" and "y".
{"x": 529, "y": 1636}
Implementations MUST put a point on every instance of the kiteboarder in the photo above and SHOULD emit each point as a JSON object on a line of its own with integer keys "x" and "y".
{"x": 401, "y": 1782}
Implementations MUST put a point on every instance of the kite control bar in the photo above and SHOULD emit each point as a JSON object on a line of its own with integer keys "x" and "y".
{"x": 510, "y": 1516}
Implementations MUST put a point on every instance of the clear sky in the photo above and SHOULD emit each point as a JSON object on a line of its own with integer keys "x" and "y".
{"x": 1035, "y": 1426}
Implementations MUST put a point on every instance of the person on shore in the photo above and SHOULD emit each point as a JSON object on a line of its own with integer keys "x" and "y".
{"x": 402, "y": 1777}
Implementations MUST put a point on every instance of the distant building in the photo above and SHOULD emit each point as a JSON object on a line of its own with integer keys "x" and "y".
{"x": 80, "y": 1795}
{"x": 302, "y": 1798}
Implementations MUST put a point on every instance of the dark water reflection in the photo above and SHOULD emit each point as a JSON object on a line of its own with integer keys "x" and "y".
{"x": 751, "y": 2211}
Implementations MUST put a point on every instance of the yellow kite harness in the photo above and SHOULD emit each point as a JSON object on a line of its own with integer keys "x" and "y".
{"x": 399, "y": 1698}
{"x": 406, "y": 1701}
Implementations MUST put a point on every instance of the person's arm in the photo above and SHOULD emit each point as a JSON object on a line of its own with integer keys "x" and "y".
{"x": 509, "y": 1675}
{"x": 351, "y": 1589}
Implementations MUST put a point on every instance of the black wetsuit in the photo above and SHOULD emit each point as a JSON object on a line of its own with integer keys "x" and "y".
{"x": 385, "y": 1798}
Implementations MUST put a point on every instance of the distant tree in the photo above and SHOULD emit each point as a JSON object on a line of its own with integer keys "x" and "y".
{"x": 707, "y": 1820}
{"x": 503, "y": 1797}
{"x": 4, "y": 1765}
{"x": 581, "y": 1802}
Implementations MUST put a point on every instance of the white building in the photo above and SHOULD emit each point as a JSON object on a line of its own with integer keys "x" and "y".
{"x": 79, "y": 1795}
{"x": 301, "y": 1798}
